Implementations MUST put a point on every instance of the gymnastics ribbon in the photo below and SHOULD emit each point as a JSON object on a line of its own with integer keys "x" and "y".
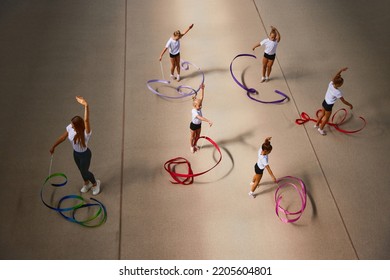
{"x": 250, "y": 91}
{"x": 101, "y": 212}
{"x": 185, "y": 65}
{"x": 301, "y": 189}
{"x": 306, "y": 118}
{"x": 188, "y": 178}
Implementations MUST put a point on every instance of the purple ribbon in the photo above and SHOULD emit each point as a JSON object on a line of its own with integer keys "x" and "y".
{"x": 185, "y": 65}
{"x": 250, "y": 91}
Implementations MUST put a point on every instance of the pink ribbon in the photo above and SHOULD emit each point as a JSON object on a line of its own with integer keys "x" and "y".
{"x": 301, "y": 190}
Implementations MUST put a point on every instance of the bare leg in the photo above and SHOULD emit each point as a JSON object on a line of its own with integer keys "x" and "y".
{"x": 322, "y": 113}
{"x": 256, "y": 181}
{"x": 192, "y": 138}
{"x": 265, "y": 62}
{"x": 325, "y": 119}
{"x": 172, "y": 65}
{"x": 177, "y": 64}
{"x": 197, "y": 135}
{"x": 269, "y": 67}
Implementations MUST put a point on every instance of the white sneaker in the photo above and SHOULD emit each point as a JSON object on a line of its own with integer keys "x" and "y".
{"x": 252, "y": 194}
{"x": 96, "y": 189}
{"x": 267, "y": 79}
{"x": 178, "y": 78}
{"x": 173, "y": 77}
{"x": 316, "y": 126}
{"x": 192, "y": 149}
{"x": 263, "y": 79}
{"x": 86, "y": 188}
{"x": 321, "y": 132}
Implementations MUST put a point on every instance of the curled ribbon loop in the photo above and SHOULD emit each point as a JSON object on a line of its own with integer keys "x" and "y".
{"x": 185, "y": 65}
{"x": 95, "y": 220}
{"x": 250, "y": 91}
{"x": 306, "y": 118}
{"x": 188, "y": 178}
{"x": 301, "y": 190}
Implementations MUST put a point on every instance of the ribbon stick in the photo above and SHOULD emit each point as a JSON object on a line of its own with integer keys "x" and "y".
{"x": 306, "y": 118}
{"x": 95, "y": 220}
{"x": 185, "y": 65}
{"x": 162, "y": 70}
{"x": 301, "y": 190}
{"x": 188, "y": 178}
{"x": 250, "y": 91}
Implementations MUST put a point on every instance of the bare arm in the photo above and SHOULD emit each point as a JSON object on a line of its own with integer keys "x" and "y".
{"x": 162, "y": 53}
{"x": 201, "y": 94}
{"x": 203, "y": 119}
{"x": 59, "y": 141}
{"x": 278, "y": 37}
{"x": 83, "y": 102}
{"x": 270, "y": 172}
{"x": 188, "y": 29}
{"x": 256, "y": 46}
{"x": 339, "y": 73}
{"x": 346, "y": 102}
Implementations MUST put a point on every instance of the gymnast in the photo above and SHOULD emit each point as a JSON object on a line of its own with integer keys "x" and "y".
{"x": 271, "y": 43}
{"x": 332, "y": 94}
{"x": 262, "y": 163}
{"x": 197, "y": 118}
{"x": 78, "y": 132}
{"x": 173, "y": 45}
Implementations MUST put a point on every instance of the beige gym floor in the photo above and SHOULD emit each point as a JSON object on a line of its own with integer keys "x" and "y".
{"x": 53, "y": 50}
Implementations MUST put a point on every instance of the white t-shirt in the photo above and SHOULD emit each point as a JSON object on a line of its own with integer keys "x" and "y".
{"x": 195, "y": 113}
{"x": 270, "y": 46}
{"x": 173, "y": 46}
{"x": 332, "y": 94}
{"x": 262, "y": 160}
{"x": 72, "y": 133}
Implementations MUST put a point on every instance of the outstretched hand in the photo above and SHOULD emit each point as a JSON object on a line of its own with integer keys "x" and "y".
{"x": 344, "y": 69}
{"x": 192, "y": 25}
{"x": 81, "y": 100}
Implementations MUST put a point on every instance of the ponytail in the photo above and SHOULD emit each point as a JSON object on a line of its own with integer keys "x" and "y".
{"x": 266, "y": 145}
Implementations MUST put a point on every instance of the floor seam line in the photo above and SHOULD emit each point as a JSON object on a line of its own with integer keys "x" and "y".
{"x": 311, "y": 144}
{"x": 123, "y": 137}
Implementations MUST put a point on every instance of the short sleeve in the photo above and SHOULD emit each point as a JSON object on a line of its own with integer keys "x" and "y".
{"x": 263, "y": 42}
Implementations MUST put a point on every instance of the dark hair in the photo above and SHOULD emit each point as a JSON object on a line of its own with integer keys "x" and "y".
{"x": 79, "y": 127}
{"x": 266, "y": 146}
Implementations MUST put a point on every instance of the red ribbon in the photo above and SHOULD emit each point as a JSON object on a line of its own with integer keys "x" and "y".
{"x": 188, "y": 178}
{"x": 306, "y": 118}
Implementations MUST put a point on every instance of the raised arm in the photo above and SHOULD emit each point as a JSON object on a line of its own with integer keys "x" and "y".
{"x": 201, "y": 94}
{"x": 83, "y": 102}
{"x": 339, "y": 73}
{"x": 188, "y": 29}
{"x": 278, "y": 37}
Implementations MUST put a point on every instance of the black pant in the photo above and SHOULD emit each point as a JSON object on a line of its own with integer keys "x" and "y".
{"x": 83, "y": 160}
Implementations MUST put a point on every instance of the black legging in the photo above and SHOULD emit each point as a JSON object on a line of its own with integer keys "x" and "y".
{"x": 83, "y": 160}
